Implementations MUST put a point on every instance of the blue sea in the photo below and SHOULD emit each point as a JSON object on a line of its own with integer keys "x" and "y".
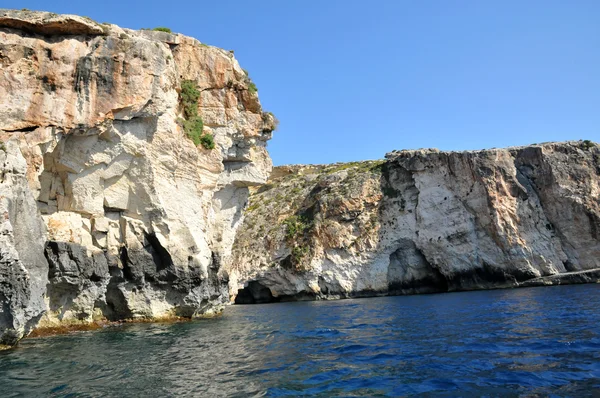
{"x": 518, "y": 342}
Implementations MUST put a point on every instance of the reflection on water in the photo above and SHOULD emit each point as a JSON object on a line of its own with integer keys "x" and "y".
{"x": 524, "y": 341}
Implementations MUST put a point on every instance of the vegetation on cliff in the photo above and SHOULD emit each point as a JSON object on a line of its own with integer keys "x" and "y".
{"x": 424, "y": 221}
{"x": 98, "y": 233}
{"x": 296, "y": 235}
{"x": 305, "y": 201}
{"x": 193, "y": 124}
{"x": 252, "y": 89}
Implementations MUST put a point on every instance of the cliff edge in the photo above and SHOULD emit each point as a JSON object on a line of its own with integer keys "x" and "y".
{"x": 422, "y": 221}
{"x": 126, "y": 161}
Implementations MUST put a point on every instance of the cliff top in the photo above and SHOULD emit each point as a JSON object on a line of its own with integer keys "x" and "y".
{"x": 303, "y": 169}
{"x": 51, "y": 24}
{"x": 552, "y": 144}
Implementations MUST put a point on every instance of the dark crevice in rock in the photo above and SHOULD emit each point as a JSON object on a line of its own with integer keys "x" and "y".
{"x": 27, "y": 129}
{"x": 160, "y": 255}
{"x": 410, "y": 272}
{"x": 73, "y": 273}
{"x": 255, "y": 293}
{"x": 300, "y": 296}
{"x": 287, "y": 263}
{"x": 6, "y": 317}
{"x": 215, "y": 262}
{"x": 126, "y": 262}
{"x": 116, "y": 307}
{"x": 487, "y": 276}
{"x": 108, "y": 209}
{"x": 235, "y": 163}
{"x": 83, "y": 77}
{"x": 569, "y": 266}
{"x": 594, "y": 224}
{"x": 48, "y": 84}
{"x": 323, "y": 286}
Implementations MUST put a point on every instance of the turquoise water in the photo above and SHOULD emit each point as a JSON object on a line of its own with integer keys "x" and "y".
{"x": 503, "y": 342}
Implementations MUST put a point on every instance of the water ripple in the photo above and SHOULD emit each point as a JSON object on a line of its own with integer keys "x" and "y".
{"x": 539, "y": 341}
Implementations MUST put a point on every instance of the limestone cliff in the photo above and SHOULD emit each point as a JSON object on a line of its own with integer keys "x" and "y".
{"x": 96, "y": 162}
{"x": 422, "y": 221}
{"x": 126, "y": 160}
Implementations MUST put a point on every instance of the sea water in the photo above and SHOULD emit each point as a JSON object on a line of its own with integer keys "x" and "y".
{"x": 487, "y": 343}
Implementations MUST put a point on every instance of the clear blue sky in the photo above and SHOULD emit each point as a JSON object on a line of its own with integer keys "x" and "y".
{"x": 352, "y": 80}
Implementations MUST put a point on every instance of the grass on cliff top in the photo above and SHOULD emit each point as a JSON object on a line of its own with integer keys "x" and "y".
{"x": 375, "y": 166}
{"x": 192, "y": 122}
{"x": 587, "y": 144}
{"x": 158, "y": 29}
{"x": 252, "y": 89}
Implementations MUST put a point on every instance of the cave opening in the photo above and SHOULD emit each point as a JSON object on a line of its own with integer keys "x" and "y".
{"x": 255, "y": 293}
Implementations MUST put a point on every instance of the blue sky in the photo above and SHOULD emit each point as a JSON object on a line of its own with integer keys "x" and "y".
{"x": 352, "y": 80}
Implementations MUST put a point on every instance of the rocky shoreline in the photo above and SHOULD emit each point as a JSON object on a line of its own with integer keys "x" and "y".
{"x": 573, "y": 278}
{"x": 135, "y": 185}
{"x": 422, "y": 221}
{"x": 126, "y": 159}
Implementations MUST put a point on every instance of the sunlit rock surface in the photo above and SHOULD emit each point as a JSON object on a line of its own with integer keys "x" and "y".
{"x": 422, "y": 221}
{"x": 111, "y": 212}
{"x": 138, "y": 219}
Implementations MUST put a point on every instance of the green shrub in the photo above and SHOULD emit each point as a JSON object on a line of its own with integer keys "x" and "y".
{"x": 587, "y": 144}
{"x": 193, "y": 127}
{"x": 190, "y": 96}
{"x": 193, "y": 124}
{"x": 252, "y": 87}
{"x": 162, "y": 29}
{"x": 207, "y": 141}
{"x": 296, "y": 226}
{"x": 298, "y": 253}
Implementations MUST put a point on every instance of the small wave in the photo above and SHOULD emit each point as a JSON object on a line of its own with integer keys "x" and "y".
{"x": 352, "y": 348}
{"x": 437, "y": 345}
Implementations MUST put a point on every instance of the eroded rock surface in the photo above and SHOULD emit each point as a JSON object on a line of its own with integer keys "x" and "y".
{"x": 423, "y": 221}
{"x": 139, "y": 219}
{"x": 23, "y": 269}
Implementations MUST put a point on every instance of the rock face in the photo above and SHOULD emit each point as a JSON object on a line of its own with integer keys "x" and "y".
{"x": 110, "y": 211}
{"x": 422, "y": 221}
{"x": 23, "y": 269}
{"x": 139, "y": 220}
